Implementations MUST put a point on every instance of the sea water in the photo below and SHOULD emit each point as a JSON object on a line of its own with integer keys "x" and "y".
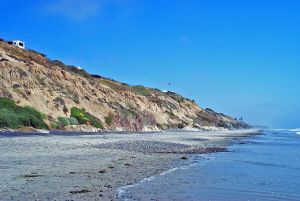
{"x": 264, "y": 168}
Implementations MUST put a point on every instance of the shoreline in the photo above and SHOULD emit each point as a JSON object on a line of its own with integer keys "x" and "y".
{"x": 192, "y": 159}
{"x": 96, "y": 166}
{"x": 189, "y": 163}
{"x": 32, "y": 130}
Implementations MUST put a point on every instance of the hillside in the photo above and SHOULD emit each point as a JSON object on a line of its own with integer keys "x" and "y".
{"x": 60, "y": 90}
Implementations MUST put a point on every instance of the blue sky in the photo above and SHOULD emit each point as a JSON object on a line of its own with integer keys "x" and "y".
{"x": 240, "y": 58}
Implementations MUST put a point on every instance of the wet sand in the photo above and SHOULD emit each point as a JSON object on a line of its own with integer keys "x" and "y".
{"x": 70, "y": 166}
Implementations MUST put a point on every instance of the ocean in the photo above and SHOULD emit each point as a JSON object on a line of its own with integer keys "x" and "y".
{"x": 266, "y": 167}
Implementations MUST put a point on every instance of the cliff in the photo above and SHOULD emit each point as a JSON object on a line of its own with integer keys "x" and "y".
{"x": 60, "y": 90}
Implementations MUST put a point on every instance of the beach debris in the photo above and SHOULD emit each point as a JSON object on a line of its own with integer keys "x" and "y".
{"x": 103, "y": 171}
{"x": 79, "y": 172}
{"x": 81, "y": 191}
{"x": 31, "y": 175}
{"x": 108, "y": 186}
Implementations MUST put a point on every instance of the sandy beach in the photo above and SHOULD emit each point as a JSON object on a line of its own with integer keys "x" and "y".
{"x": 74, "y": 166}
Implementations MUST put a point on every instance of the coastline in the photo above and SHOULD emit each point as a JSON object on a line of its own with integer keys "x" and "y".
{"x": 91, "y": 129}
{"x": 95, "y": 166}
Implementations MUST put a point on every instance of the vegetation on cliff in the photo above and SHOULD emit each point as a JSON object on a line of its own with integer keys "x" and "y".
{"x": 13, "y": 116}
{"x": 84, "y": 117}
{"x": 66, "y": 121}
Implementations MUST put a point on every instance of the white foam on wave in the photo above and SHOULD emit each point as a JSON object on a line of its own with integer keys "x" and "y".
{"x": 286, "y": 129}
{"x": 124, "y": 189}
{"x": 298, "y": 133}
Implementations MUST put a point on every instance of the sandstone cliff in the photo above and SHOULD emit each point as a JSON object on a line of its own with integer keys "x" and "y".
{"x": 53, "y": 88}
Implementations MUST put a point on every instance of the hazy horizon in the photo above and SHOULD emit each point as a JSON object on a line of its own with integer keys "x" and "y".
{"x": 240, "y": 58}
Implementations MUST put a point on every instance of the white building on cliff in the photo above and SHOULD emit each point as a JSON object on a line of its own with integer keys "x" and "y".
{"x": 17, "y": 43}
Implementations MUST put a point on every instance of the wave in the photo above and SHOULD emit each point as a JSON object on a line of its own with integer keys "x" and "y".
{"x": 124, "y": 189}
{"x": 286, "y": 129}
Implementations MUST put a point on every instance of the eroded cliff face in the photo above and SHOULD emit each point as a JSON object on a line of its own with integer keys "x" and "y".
{"x": 54, "y": 88}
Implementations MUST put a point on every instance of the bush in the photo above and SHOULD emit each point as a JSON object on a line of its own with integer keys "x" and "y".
{"x": 133, "y": 113}
{"x": 44, "y": 116}
{"x": 175, "y": 96}
{"x": 83, "y": 117}
{"x": 140, "y": 90}
{"x": 116, "y": 86}
{"x": 159, "y": 126}
{"x": 8, "y": 119}
{"x": 73, "y": 121}
{"x": 181, "y": 125}
{"x": 76, "y": 100}
{"x": 108, "y": 120}
{"x": 14, "y": 116}
{"x": 206, "y": 116}
{"x": 223, "y": 124}
{"x": 55, "y": 125}
{"x": 66, "y": 121}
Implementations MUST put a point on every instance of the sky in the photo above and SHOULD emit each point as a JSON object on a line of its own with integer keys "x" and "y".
{"x": 239, "y": 58}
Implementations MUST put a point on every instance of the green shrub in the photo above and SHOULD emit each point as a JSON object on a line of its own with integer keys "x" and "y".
{"x": 133, "y": 113}
{"x": 108, "y": 120}
{"x": 66, "y": 121}
{"x": 175, "y": 96}
{"x": 223, "y": 124}
{"x": 14, "y": 116}
{"x": 159, "y": 126}
{"x": 55, "y": 125}
{"x": 8, "y": 119}
{"x": 140, "y": 90}
{"x": 181, "y": 125}
{"x": 76, "y": 100}
{"x": 83, "y": 117}
{"x": 116, "y": 86}
{"x": 44, "y": 116}
{"x": 131, "y": 106}
{"x": 73, "y": 121}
